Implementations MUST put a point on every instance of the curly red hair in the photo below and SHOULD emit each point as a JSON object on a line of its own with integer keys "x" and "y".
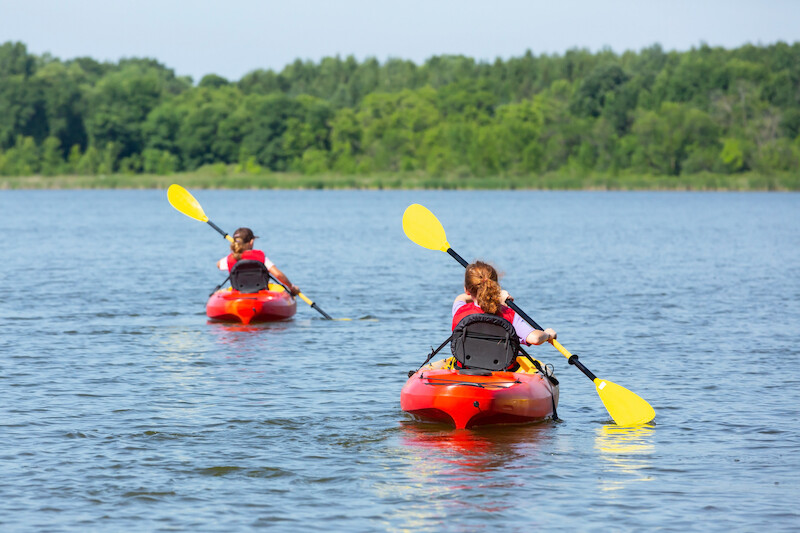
{"x": 481, "y": 282}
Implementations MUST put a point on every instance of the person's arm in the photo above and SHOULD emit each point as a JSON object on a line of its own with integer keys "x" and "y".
{"x": 527, "y": 334}
{"x": 280, "y": 276}
{"x": 538, "y": 337}
{"x": 457, "y": 304}
{"x": 464, "y": 297}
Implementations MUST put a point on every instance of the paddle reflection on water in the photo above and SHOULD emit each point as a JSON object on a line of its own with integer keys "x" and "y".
{"x": 627, "y": 452}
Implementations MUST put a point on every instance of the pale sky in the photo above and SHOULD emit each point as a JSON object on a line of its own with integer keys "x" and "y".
{"x": 233, "y": 37}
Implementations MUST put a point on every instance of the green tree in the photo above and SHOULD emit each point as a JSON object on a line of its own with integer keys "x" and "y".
{"x": 159, "y": 162}
{"x": 90, "y": 161}
{"x": 162, "y": 127}
{"x": 466, "y": 101}
{"x": 778, "y": 155}
{"x": 201, "y": 126}
{"x": 666, "y": 138}
{"x": 22, "y": 159}
{"x": 21, "y": 111}
{"x": 213, "y": 81}
{"x": 119, "y": 104}
{"x": 62, "y": 101}
{"x": 109, "y": 158}
{"x": 313, "y": 161}
{"x": 345, "y": 138}
{"x": 264, "y": 122}
{"x": 518, "y": 128}
{"x": 732, "y": 155}
{"x": 73, "y": 160}
{"x": 51, "y": 161}
{"x": 394, "y": 126}
{"x": 308, "y": 132}
{"x": 596, "y": 88}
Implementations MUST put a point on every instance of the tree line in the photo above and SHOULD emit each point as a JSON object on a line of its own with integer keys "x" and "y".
{"x": 655, "y": 112}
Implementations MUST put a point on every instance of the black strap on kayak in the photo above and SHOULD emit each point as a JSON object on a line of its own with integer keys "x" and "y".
{"x": 430, "y": 355}
{"x": 218, "y": 287}
{"x": 546, "y": 372}
{"x": 279, "y": 282}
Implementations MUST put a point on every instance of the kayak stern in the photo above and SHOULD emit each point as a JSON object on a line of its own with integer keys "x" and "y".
{"x": 474, "y": 399}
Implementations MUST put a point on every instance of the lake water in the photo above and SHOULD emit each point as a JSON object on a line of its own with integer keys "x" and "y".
{"x": 124, "y": 410}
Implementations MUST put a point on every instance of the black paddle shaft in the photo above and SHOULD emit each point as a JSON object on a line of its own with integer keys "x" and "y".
{"x": 573, "y": 359}
{"x": 313, "y": 304}
{"x": 323, "y": 313}
{"x": 220, "y": 230}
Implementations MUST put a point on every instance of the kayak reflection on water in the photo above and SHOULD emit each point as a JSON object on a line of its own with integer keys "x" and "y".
{"x": 245, "y": 337}
{"x": 476, "y": 450}
{"x": 446, "y": 467}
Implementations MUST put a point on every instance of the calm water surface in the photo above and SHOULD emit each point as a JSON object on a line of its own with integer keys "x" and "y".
{"x": 123, "y": 409}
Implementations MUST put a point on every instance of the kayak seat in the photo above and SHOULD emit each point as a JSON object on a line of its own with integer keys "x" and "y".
{"x": 249, "y": 276}
{"x": 486, "y": 342}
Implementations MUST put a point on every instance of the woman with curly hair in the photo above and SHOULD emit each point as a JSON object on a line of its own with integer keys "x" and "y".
{"x": 482, "y": 294}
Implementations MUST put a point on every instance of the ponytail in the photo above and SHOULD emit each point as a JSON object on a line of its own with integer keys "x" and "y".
{"x": 488, "y": 296}
{"x": 237, "y": 247}
{"x": 241, "y": 237}
{"x": 480, "y": 280}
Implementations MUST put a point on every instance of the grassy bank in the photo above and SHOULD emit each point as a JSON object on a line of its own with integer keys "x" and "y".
{"x": 221, "y": 178}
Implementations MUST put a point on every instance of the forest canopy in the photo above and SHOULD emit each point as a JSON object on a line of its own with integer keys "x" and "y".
{"x": 655, "y": 112}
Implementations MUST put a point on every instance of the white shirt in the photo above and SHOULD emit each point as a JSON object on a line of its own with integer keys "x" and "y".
{"x": 222, "y": 264}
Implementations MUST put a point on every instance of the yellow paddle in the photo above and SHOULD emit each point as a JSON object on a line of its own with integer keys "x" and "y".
{"x": 624, "y": 406}
{"x": 183, "y": 201}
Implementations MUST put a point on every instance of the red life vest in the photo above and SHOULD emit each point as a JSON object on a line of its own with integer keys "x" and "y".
{"x": 471, "y": 309}
{"x": 254, "y": 255}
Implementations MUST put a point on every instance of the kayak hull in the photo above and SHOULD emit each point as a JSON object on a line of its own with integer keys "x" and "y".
{"x": 466, "y": 400}
{"x": 270, "y": 305}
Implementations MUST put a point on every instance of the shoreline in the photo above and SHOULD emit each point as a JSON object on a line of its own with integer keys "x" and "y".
{"x": 747, "y": 182}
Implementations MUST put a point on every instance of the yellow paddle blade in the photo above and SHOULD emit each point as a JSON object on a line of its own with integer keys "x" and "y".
{"x": 625, "y": 407}
{"x": 423, "y": 228}
{"x": 184, "y": 202}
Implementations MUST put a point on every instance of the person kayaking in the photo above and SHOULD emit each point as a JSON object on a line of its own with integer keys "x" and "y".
{"x": 482, "y": 294}
{"x": 242, "y": 248}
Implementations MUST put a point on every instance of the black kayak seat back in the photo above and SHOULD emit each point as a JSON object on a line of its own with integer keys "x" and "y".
{"x": 249, "y": 276}
{"x": 485, "y": 341}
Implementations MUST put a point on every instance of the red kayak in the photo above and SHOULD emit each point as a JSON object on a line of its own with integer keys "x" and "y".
{"x": 469, "y": 398}
{"x": 269, "y": 305}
